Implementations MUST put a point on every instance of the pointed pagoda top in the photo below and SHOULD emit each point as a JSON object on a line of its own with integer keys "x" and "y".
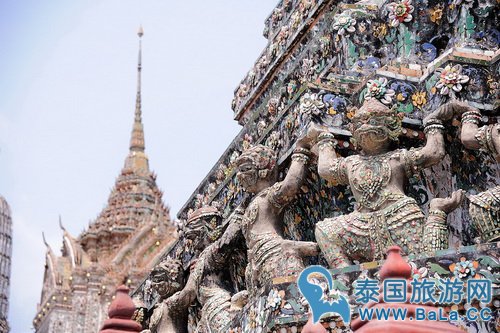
{"x": 137, "y": 139}
{"x": 137, "y": 161}
{"x": 135, "y": 199}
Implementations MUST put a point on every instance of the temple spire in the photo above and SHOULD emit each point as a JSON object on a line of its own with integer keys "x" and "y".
{"x": 60, "y": 223}
{"x": 137, "y": 139}
{"x": 45, "y": 241}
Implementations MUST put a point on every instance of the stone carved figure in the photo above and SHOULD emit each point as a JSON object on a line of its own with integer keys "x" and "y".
{"x": 212, "y": 288}
{"x": 206, "y": 281}
{"x": 269, "y": 254}
{"x": 484, "y": 207}
{"x": 384, "y": 215}
{"x": 170, "y": 313}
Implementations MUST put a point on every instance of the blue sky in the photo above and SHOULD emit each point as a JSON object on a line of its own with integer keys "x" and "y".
{"x": 67, "y": 96}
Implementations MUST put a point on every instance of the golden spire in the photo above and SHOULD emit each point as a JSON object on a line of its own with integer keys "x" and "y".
{"x": 137, "y": 139}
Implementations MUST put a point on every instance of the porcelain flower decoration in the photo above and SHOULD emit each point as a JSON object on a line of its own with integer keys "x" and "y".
{"x": 311, "y": 104}
{"x": 344, "y": 23}
{"x": 273, "y": 299}
{"x": 378, "y": 89}
{"x": 400, "y": 12}
{"x": 451, "y": 79}
{"x": 465, "y": 269}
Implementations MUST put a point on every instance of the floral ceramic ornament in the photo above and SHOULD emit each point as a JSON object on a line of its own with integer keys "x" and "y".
{"x": 436, "y": 13}
{"x": 344, "y": 23}
{"x": 247, "y": 141}
{"x": 273, "y": 299}
{"x": 261, "y": 127}
{"x": 305, "y": 6}
{"x": 274, "y": 140}
{"x": 419, "y": 99}
{"x": 243, "y": 90}
{"x": 272, "y": 106}
{"x": 378, "y": 89}
{"x": 418, "y": 273}
{"x": 307, "y": 69}
{"x": 400, "y": 12}
{"x": 277, "y": 16}
{"x": 451, "y": 79}
{"x": 262, "y": 64}
{"x": 311, "y": 104}
{"x": 465, "y": 269}
{"x": 291, "y": 87}
{"x": 283, "y": 35}
{"x": 295, "y": 20}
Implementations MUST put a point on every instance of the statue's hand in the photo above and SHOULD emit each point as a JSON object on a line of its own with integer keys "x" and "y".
{"x": 444, "y": 113}
{"x": 310, "y": 138}
{"x": 449, "y": 204}
{"x": 460, "y": 107}
{"x": 448, "y": 111}
{"x": 303, "y": 249}
{"x": 239, "y": 300}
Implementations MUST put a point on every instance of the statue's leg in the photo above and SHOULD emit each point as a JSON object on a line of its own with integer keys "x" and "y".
{"x": 484, "y": 210}
{"x": 405, "y": 223}
{"x": 435, "y": 232}
{"x": 343, "y": 239}
{"x": 293, "y": 255}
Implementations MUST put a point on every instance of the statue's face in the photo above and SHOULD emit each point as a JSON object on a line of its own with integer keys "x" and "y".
{"x": 371, "y": 133}
{"x": 248, "y": 176}
{"x": 256, "y": 168}
{"x": 203, "y": 231}
{"x": 166, "y": 278}
{"x": 194, "y": 229}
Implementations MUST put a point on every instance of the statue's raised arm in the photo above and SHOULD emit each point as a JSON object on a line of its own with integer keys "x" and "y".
{"x": 270, "y": 255}
{"x": 486, "y": 138}
{"x": 384, "y": 215}
{"x": 484, "y": 207}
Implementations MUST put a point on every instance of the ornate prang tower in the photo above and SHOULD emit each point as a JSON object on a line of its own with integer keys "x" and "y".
{"x": 119, "y": 247}
{"x": 5, "y": 254}
{"x": 375, "y": 84}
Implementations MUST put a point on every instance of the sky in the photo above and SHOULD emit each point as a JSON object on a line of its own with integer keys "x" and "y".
{"x": 67, "y": 98}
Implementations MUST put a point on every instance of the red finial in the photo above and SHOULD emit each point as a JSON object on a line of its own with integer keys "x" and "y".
{"x": 120, "y": 313}
{"x": 395, "y": 266}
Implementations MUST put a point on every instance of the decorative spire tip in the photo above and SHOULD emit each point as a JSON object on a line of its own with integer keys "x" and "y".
{"x": 44, "y": 240}
{"x": 60, "y": 223}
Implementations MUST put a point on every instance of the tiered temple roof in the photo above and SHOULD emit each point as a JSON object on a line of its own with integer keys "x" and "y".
{"x": 135, "y": 199}
{"x": 120, "y": 246}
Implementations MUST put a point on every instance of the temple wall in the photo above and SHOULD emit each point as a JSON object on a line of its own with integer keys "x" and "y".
{"x": 320, "y": 63}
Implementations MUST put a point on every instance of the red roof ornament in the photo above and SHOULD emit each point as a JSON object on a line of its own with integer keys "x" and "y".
{"x": 396, "y": 267}
{"x": 120, "y": 313}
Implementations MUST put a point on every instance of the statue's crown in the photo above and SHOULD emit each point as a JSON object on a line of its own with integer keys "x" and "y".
{"x": 261, "y": 156}
{"x": 373, "y": 107}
